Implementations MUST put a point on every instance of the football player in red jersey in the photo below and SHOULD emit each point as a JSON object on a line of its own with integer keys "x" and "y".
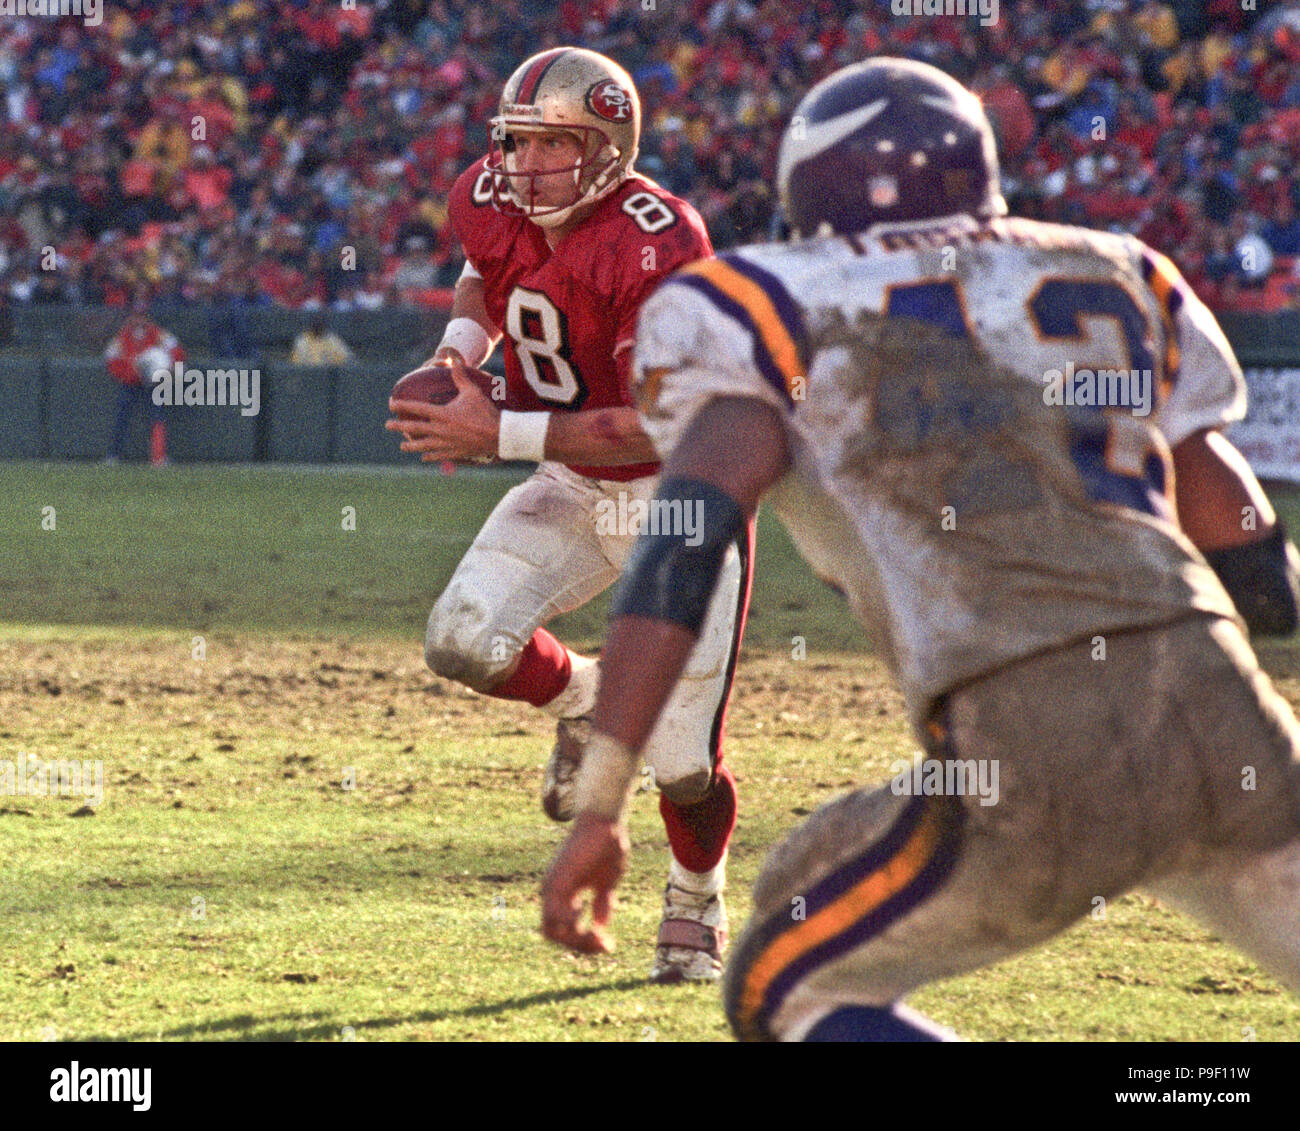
{"x": 563, "y": 241}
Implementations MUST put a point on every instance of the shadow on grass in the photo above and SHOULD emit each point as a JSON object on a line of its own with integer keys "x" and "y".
{"x": 247, "y": 1027}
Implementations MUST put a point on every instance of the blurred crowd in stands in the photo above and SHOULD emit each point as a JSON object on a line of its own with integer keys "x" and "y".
{"x": 299, "y": 152}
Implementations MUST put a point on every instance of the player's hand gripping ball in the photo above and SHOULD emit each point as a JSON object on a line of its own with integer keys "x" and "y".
{"x": 433, "y": 385}
{"x": 440, "y": 423}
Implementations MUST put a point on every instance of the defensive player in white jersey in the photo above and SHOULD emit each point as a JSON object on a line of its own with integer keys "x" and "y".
{"x": 953, "y": 413}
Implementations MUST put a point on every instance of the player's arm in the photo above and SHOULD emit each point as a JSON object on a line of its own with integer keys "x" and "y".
{"x": 469, "y": 333}
{"x": 468, "y": 427}
{"x": 1223, "y": 509}
{"x": 471, "y": 428}
{"x": 731, "y": 453}
{"x": 1221, "y": 505}
{"x": 602, "y": 435}
{"x": 597, "y": 436}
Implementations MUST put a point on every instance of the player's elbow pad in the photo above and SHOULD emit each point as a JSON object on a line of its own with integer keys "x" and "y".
{"x": 1263, "y": 580}
{"x": 674, "y": 568}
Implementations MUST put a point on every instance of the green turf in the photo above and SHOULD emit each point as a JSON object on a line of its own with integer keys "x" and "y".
{"x": 305, "y": 835}
{"x": 266, "y": 549}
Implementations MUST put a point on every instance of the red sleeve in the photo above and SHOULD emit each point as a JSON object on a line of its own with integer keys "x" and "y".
{"x": 646, "y": 258}
{"x": 469, "y": 213}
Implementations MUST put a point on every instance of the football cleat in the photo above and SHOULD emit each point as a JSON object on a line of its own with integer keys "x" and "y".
{"x": 887, "y": 141}
{"x": 560, "y": 779}
{"x": 692, "y": 937}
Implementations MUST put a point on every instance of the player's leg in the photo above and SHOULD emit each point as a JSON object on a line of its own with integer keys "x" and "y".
{"x": 157, "y": 430}
{"x": 122, "y": 421}
{"x": 1087, "y": 795}
{"x": 697, "y": 793}
{"x": 1252, "y": 902}
{"x": 1245, "y": 890}
{"x": 856, "y": 908}
{"x": 535, "y": 557}
{"x": 684, "y": 752}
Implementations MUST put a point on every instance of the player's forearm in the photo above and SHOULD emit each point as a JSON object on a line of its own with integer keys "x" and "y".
{"x": 1223, "y": 509}
{"x": 598, "y": 436}
{"x": 1220, "y": 502}
{"x": 640, "y": 664}
{"x": 732, "y": 452}
{"x": 468, "y": 302}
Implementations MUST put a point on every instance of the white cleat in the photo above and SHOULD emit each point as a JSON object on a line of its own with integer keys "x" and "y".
{"x": 692, "y": 937}
{"x": 571, "y": 738}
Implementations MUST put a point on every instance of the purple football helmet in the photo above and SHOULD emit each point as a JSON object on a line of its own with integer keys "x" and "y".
{"x": 884, "y": 141}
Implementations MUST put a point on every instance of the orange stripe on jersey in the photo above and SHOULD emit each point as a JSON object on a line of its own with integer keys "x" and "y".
{"x": 754, "y": 300}
{"x": 868, "y": 894}
{"x": 1163, "y": 278}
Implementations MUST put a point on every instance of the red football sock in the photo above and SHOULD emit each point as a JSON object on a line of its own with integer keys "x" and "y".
{"x": 543, "y": 671}
{"x": 699, "y": 833}
{"x": 158, "y": 442}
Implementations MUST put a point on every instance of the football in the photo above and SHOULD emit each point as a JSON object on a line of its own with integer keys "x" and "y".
{"x": 433, "y": 384}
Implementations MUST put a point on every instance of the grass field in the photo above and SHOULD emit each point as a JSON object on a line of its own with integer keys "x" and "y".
{"x": 304, "y": 835}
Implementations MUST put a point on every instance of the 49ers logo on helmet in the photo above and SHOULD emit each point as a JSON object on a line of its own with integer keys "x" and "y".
{"x": 610, "y": 101}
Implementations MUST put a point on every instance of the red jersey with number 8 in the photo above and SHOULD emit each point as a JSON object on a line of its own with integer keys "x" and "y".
{"x": 569, "y": 315}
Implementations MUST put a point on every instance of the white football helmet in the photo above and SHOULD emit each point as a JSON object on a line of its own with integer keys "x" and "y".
{"x": 580, "y": 92}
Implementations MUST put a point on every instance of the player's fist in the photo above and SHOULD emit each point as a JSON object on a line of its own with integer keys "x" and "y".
{"x": 436, "y": 384}
{"x": 444, "y": 411}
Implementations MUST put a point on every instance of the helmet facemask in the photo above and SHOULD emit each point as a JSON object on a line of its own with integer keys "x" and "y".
{"x": 593, "y": 174}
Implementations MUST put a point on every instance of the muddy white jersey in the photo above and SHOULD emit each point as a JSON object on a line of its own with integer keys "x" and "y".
{"x": 979, "y": 417}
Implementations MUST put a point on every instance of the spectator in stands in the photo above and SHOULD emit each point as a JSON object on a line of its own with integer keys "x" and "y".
{"x": 318, "y": 345}
{"x": 251, "y": 134}
{"x": 1282, "y": 232}
{"x": 138, "y": 350}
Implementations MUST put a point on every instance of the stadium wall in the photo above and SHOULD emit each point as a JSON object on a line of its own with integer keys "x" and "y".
{"x": 57, "y": 405}
{"x": 1269, "y": 349}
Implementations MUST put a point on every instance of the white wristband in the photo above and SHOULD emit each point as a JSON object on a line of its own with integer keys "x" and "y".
{"x": 523, "y": 435}
{"x": 606, "y": 778}
{"x": 468, "y": 339}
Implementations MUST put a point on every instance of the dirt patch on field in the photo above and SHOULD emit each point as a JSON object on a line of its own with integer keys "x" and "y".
{"x": 320, "y": 684}
{"x": 228, "y": 690}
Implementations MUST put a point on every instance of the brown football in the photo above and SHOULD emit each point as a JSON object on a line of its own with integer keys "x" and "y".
{"x": 433, "y": 384}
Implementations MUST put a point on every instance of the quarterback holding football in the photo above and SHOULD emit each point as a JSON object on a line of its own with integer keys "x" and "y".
{"x": 563, "y": 240}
